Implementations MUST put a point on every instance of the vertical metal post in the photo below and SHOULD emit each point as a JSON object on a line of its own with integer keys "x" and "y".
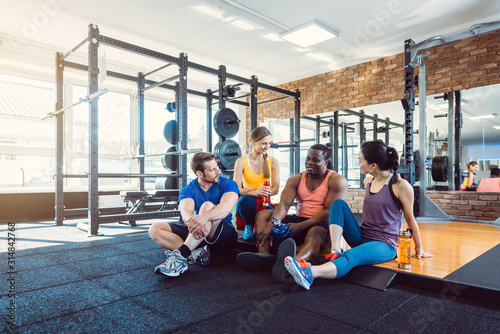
{"x": 292, "y": 149}
{"x": 297, "y": 130}
{"x": 209, "y": 120}
{"x": 93, "y": 66}
{"x": 450, "y": 140}
{"x": 422, "y": 86}
{"x": 330, "y": 129}
{"x": 458, "y": 125}
{"x": 318, "y": 128}
{"x": 140, "y": 116}
{"x": 336, "y": 141}
{"x": 362, "y": 140}
{"x": 409, "y": 95}
{"x": 387, "y": 120}
{"x": 182, "y": 121}
{"x": 254, "y": 87}
{"x": 222, "y": 83}
{"x": 59, "y": 191}
{"x": 344, "y": 151}
{"x": 375, "y": 127}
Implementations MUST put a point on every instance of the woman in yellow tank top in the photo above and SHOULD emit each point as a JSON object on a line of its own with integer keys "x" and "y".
{"x": 250, "y": 172}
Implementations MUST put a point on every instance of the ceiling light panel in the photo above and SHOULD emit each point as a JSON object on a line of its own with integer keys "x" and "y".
{"x": 309, "y": 34}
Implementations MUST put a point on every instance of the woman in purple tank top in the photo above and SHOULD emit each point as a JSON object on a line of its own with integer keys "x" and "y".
{"x": 387, "y": 197}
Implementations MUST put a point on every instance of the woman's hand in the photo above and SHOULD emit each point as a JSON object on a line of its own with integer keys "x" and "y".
{"x": 419, "y": 253}
{"x": 263, "y": 191}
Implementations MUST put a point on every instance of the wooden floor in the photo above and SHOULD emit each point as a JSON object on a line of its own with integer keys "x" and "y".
{"x": 453, "y": 244}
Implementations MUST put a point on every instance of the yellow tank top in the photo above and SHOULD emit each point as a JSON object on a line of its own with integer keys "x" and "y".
{"x": 252, "y": 180}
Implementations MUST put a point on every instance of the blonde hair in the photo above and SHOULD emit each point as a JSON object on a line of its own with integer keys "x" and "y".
{"x": 257, "y": 134}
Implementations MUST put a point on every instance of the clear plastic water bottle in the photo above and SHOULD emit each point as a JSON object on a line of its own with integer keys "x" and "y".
{"x": 280, "y": 232}
{"x": 404, "y": 249}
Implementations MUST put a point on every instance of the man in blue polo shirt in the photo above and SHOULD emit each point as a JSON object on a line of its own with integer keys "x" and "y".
{"x": 205, "y": 205}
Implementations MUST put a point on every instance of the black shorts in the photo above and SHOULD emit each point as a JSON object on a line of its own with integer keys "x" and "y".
{"x": 225, "y": 237}
{"x": 294, "y": 219}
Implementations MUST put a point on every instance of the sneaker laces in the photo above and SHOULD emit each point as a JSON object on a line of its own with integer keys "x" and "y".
{"x": 302, "y": 263}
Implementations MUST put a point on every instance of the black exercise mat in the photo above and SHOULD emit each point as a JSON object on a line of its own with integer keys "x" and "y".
{"x": 483, "y": 271}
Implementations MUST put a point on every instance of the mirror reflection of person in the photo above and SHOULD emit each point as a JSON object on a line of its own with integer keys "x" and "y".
{"x": 492, "y": 183}
{"x": 469, "y": 183}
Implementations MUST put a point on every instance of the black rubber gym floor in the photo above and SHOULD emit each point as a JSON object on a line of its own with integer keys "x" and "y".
{"x": 67, "y": 282}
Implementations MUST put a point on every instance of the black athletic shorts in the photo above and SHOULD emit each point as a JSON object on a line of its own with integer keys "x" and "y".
{"x": 294, "y": 219}
{"x": 225, "y": 237}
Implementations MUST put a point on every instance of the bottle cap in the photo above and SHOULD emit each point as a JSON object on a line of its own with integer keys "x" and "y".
{"x": 407, "y": 233}
{"x": 275, "y": 221}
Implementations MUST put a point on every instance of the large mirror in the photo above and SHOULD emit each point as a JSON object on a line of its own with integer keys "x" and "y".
{"x": 479, "y": 134}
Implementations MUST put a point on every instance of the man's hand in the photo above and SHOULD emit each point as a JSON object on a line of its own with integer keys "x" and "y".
{"x": 295, "y": 229}
{"x": 264, "y": 234}
{"x": 198, "y": 226}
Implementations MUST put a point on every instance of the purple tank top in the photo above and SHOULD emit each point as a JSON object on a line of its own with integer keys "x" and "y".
{"x": 381, "y": 217}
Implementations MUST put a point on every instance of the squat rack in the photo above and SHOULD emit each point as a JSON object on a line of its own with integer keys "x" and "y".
{"x": 413, "y": 57}
{"x": 94, "y": 39}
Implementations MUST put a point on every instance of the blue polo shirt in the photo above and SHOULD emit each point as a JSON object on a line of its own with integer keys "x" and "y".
{"x": 213, "y": 194}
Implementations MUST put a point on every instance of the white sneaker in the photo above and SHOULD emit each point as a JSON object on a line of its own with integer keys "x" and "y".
{"x": 175, "y": 264}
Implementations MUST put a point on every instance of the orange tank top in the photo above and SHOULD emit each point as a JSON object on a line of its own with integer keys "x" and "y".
{"x": 310, "y": 202}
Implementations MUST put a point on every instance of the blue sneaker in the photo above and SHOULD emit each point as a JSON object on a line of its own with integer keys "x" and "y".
{"x": 300, "y": 270}
{"x": 248, "y": 232}
{"x": 335, "y": 254}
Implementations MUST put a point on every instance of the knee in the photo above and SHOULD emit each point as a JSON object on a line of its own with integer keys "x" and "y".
{"x": 155, "y": 229}
{"x": 338, "y": 204}
{"x": 205, "y": 207}
{"x": 316, "y": 234}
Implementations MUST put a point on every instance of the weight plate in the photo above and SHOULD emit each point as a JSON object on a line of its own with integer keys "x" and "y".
{"x": 171, "y": 107}
{"x": 170, "y": 161}
{"x": 166, "y": 183}
{"x": 228, "y": 174}
{"x": 440, "y": 169}
{"x": 226, "y": 153}
{"x": 171, "y": 132}
{"x": 226, "y": 123}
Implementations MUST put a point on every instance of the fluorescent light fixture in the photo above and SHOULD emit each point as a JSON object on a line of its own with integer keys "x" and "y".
{"x": 477, "y": 118}
{"x": 496, "y": 127}
{"x": 309, "y": 34}
{"x": 209, "y": 11}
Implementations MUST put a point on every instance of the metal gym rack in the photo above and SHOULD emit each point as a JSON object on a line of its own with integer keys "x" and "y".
{"x": 94, "y": 40}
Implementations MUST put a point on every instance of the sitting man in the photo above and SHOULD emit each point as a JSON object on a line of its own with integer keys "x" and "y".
{"x": 491, "y": 183}
{"x": 205, "y": 205}
{"x": 315, "y": 190}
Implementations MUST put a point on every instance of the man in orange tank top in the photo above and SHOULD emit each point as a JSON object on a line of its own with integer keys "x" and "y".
{"x": 314, "y": 190}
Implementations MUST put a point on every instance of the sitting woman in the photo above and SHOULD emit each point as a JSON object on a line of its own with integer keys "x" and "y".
{"x": 250, "y": 172}
{"x": 469, "y": 183}
{"x": 376, "y": 240}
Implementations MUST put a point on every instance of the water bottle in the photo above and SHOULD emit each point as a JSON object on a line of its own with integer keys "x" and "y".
{"x": 266, "y": 199}
{"x": 280, "y": 232}
{"x": 404, "y": 249}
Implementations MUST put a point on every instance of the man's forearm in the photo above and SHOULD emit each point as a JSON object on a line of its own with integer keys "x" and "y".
{"x": 318, "y": 219}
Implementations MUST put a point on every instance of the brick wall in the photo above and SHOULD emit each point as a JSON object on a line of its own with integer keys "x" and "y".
{"x": 468, "y": 205}
{"x": 484, "y": 206}
{"x": 469, "y": 63}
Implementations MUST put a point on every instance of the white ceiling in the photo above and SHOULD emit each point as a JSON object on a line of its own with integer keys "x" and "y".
{"x": 369, "y": 29}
